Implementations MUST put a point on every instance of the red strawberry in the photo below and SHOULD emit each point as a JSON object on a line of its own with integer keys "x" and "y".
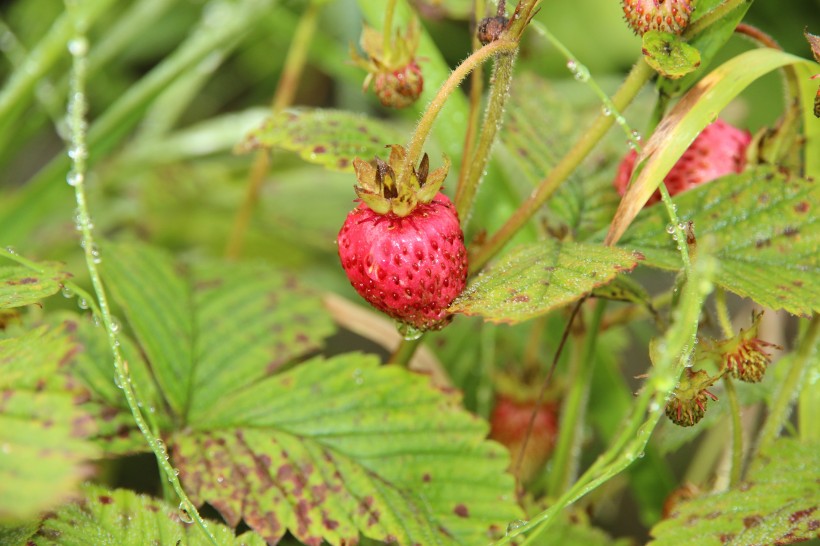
{"x": 509, "y": 422}
{"x": 664, "y": 15}
{"x": 719, "y": 149}
{"x": 402, "y": 248}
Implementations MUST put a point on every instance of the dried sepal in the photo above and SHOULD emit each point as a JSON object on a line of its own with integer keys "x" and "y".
{"x": 745, "y": 356}
{"x": 687, "y": 403}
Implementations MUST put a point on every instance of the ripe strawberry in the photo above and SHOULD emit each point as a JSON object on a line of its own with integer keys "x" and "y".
{"x": 719, "y": 149}
{"x": 664, "y": 15}
{"x": 509, "y": 422}
{"x": 402, "y": 247}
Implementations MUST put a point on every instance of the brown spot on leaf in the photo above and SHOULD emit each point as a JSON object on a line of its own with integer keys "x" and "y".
{"x": 752, "y": 521}
{"x": 343, "y": 163}
{"x": 802, "y": 514}
{"x": 726, "y": 538}
{"x": 760, "y": 243}
{"x": 520, "y": 298}
{"x": 105, "y": 499}
{"x": 802, "y": 207}
{"x": 790, "y": 231}
{"x": 319, "y": 149}
{"x": 461, "y": 511}
{"x": 426, "y": 478}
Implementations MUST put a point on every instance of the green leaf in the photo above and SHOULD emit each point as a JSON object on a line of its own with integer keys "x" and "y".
{"x": 766, "y": 236}
{"x": 336, "y": 447}
{"x": 23, "y": 286}
{"x": 124, "y": 518}
{"x": 777, "y": 504}
{"x": 543, "y": 119}
{"x": 208, "y": 329}
{"x": 43, "y": 431}
{"x": 708, "y": 42}
{"x": 686, "y": 120}
{"x": 536, "y": 278}
{"x": 669, "y": 55}
{"x": 17, "y": 535}
{"x": 331, "y": 138}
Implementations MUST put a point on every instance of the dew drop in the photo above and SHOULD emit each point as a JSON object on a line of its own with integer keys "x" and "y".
{"x": 183, "y": 514}
{"x": 409, "y": 333}
{"x": 670, "y": 229}
{"x": 115, "y": 326}
{"x": 78, "y": 46}
{"x": 11, "y": 250}
{"x": 636, "y": 136}
{"x": 67, "y": 292}
{"x": 606, "y": 111}
{"x": 82, "y": 303}
{"x": 514, "y": 526}
{"x": 74, "y": 178}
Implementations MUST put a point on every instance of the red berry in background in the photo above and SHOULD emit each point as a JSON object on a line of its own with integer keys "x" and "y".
{"x": 391, "y": 65}
{"x": 402, "y": 247}
{"x": 719, "y": 149}
{"x": 509, "y": 422}
{"x": 663, "y": 15}
{"x": 399, "y": 88}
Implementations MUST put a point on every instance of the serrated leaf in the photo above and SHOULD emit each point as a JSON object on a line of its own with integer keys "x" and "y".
{"x": 331, "y": 138}
{"x": 208, "y": 329}
{"x": 122, "y": 517}
{"x": 23, "y": 286}
{"x": 766, "y": 236}
{"x": 536, "y": 278}
{"x": 777, "y": 504}
{"x": 341, "y": 446}
{"x": 43, "y": 432}
{"x": 668, "y": 54}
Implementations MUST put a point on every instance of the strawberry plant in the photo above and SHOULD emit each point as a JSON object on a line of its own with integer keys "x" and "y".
{"x": 421, "y": 273}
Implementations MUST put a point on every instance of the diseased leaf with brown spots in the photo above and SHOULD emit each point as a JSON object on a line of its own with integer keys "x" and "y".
{"x": 23, "y": 286}
{"x": 536, "y": 278}
{"x": 337, "y": 447}
{"x": 766, "y": 235}
{"x": 331, "y": 138}
{"x": 44, "y": 431}
{"x": 208, "y": 329}
{"x": 121, "y": 517}
{"x": 779, "y": 503}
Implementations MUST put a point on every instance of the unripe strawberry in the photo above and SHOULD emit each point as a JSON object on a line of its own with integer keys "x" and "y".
{"x": 664, "y": 15}
{"x": 391, "y": 66}
{"x": 719, "y": 149}
{"x": 687, "y": 404}
{"x": 402, "y": 247}
{"x": 509, "y": 422}
{"x": 744, "y": 356}
{"x": 399, "y": 88}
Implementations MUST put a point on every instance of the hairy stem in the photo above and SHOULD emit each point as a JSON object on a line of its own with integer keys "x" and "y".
{"x": 78, "y": 153}
{"x": 476, "y": 92}
{"x": 637, "y": 77}
{"x": 499, "y": 92}
{"x": 451, "y": 84}
{"x": 723, "y": 313}
{"x": 285, "y": 92}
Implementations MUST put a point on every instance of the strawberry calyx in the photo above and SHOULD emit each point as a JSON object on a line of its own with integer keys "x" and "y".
{"x": 378, "y": 184}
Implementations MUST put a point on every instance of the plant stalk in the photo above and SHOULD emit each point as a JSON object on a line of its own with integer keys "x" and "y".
{"x": 638, "y": 76}
{"x": 425, "y": 124}
{"x": 78, "y": 46}
{"x": 404, "y": 352}
{"x": 737, "y": 433}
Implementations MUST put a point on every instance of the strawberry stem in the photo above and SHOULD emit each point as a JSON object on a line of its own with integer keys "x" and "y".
{"x": 633, "y": 83}
{"x": 387, "y": 35}
{"x": 404, "y": 352}
{"x": 737, "y": 432}
{"x": 425, "y": 124}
